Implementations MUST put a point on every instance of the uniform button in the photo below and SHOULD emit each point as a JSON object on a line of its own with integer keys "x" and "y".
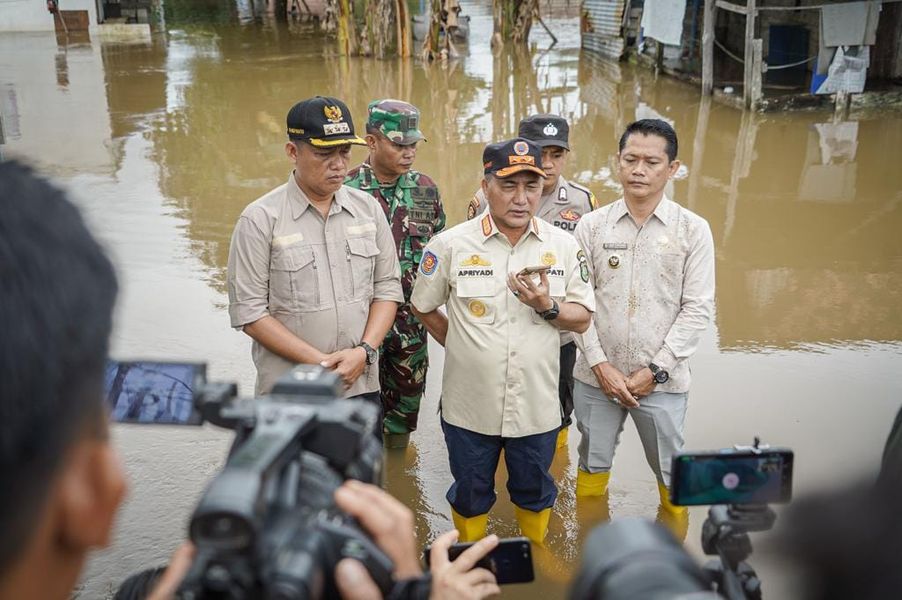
{"x": 513, "y": 353}
{"x": 513, "y": 319}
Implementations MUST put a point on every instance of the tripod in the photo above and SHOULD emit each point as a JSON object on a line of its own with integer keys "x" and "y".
{"x": 725, "y": 534}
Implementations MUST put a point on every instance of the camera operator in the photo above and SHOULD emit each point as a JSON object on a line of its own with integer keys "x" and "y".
{"x": 61, "y": 478}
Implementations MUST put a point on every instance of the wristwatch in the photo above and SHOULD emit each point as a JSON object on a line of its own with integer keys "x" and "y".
{"x": 659, "y": 374}
{"x": 552, "y": 313}
{"x": 371, "y": 354}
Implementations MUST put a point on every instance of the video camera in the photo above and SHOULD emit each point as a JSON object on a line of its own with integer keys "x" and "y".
{"x": 634, "y": 558}
{"x": 267, "y": 525}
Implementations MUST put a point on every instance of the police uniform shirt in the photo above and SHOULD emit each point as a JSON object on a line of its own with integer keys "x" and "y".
{"x": 316, "y": 276}
{"x": 654, "y": 290}
{"x": 501, "y": 357}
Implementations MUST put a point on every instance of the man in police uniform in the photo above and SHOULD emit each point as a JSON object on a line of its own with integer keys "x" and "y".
{"x": 413, "y": 207}
{"x": 652, "y": 263}
{"x": 313, "y": 275}
{"x": 563, "y": 203}
{"x": 500, "y": 336}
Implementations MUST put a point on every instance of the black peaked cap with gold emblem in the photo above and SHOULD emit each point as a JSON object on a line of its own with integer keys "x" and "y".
{"x": 503, "y": 159}
{"x": 323, "y": 122}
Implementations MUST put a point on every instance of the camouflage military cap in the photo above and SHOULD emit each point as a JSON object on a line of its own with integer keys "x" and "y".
{"x": 396, "y": 120}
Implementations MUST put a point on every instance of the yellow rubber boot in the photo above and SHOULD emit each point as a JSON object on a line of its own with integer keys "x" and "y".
{"x": 675, "y": 518}
{"x": 533, "y": 525}
{"x": 471, "y": 529}
{"x": 592, "y": 484}
{"x": 562, "y": 437}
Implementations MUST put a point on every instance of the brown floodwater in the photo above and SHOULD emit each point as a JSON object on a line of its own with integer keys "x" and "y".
{"x": 163, "y": 142}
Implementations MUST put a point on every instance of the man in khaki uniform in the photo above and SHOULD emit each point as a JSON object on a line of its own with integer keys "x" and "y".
{"x": 501, "y": 339}
{"x": 313, "y": 273}
{"x": 563, "y": 203}
{"x": 652, "y": 263}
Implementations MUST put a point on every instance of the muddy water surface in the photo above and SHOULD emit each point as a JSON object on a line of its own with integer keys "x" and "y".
{"x": 164, "y": 142}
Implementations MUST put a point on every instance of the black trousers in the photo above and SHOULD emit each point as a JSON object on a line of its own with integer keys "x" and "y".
{"x": 565, "y": 383}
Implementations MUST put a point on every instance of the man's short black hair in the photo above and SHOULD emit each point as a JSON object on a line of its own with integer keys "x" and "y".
{"x": 653, "y": 127}
{"x": 57, "y": 290}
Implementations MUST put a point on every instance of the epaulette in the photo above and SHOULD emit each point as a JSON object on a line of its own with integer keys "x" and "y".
{"x": 593, "y": 203}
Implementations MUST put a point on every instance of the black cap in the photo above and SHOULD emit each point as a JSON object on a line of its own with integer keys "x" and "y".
{"x": 546, "y": 130}
{"x": 322, "y": 122}
{"x": 503, "y": 159}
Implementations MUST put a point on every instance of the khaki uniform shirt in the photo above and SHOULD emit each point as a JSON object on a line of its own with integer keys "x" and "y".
{"x": 317, "y": 276}
{"x": 501, "y": 357}
{"x": 654, "y": 289}
{"x": 563, "y": 208}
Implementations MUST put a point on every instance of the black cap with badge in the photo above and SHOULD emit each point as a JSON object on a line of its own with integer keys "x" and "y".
{"x": 503, "y": 159}
{"x": 546, "y": 130}
{"x": 322, "y": 122}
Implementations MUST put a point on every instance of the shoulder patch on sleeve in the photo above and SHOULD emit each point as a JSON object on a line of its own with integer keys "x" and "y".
{"x": 429, "y": 263}
{"x": 583, "y": 266}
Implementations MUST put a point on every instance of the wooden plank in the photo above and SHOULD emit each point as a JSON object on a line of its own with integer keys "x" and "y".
{"x": 749, "y": 51}
{"x": 736, "y": 8}
{"x": 757, "y": 60}
{"x": 72, "y": 20}
{"x": 708, "y": 47}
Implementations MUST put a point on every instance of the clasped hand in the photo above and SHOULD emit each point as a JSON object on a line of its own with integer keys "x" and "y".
{"x": 625, "y": 390}
{"x": 348, "y": 363}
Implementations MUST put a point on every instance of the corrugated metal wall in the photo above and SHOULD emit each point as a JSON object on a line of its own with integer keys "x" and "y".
{"x": 602, "y": 21}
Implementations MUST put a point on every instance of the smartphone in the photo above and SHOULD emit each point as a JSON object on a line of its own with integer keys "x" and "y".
{"x": 534, "y": 270}
{"x": 154, "y": 392}
{"x": 510, "y": 561}
{"x": 731, "y": 476}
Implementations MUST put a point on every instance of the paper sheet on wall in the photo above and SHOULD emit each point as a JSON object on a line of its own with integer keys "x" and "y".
{"x": 663, "y": 20}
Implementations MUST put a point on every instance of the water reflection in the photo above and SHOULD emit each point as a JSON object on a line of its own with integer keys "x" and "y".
{"x": 168, "y": 140}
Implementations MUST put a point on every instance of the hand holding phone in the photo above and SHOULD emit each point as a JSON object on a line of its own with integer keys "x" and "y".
{"x": 459, "y": 578}
{"x": 510, "y": 560}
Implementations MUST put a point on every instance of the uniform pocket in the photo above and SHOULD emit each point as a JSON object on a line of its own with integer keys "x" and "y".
{"x": 361, "y": 254}
{"x": 294, "y": 282}
{"x": 477, "y": 297}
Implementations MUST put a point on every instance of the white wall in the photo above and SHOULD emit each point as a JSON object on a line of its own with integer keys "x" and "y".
{"x": 56, "y": 100}
{"x": 32, "y": 15}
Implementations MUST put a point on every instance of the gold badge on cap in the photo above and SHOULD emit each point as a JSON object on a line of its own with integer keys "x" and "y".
{"x": 549, "y": 259}
{"x": 333, "y": 113}
{"x": 476, "y": 308}
{"x": 614, "y": 261}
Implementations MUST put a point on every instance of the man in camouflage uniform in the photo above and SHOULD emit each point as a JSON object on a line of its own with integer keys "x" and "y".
{"x": 563, "y": 203}
{"x": 414, "y": 210}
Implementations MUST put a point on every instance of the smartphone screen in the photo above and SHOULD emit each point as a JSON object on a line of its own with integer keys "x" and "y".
{"x": 154, "y": 392}
{"x": 732, "y": 477}
{"x": 510, "y": 561}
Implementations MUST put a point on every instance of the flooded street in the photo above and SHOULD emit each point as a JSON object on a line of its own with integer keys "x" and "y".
{"x": 163, "y": 143}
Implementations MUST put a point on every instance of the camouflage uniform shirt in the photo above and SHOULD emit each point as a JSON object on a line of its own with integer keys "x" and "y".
{"x": 414, "y": 210}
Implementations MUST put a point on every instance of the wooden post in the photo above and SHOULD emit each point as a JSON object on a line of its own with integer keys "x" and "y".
{"x": 750, "y": 15}
{"x": 659, "y": 56}
{"x": 698, "y": 151}
{"x": 757, "y": 61}
{"x": 708, "y": 48}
